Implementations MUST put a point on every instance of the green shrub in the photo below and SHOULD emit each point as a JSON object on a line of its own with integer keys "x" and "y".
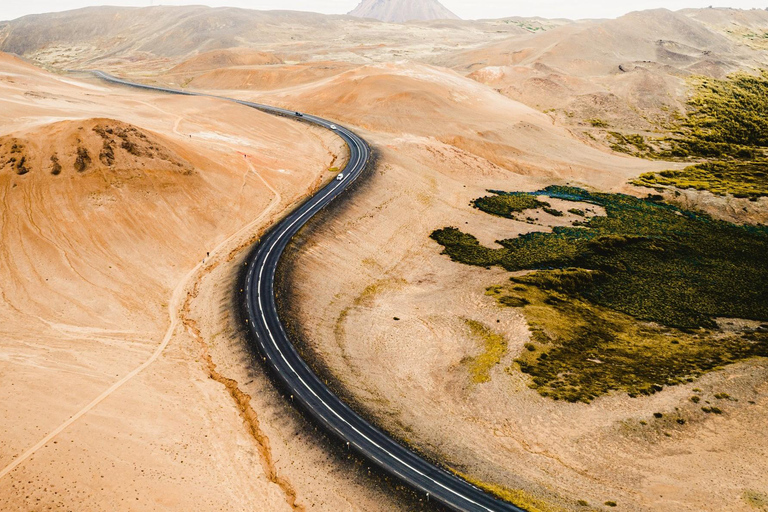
{"x": 465, "y": 248}
{"x": 505, "y": 204}
{"x": 647, "y": 259}
{"x": 740, "y": 179}
{"x": 730, "y": 111}
{"x": 673, "y": 270}
{"x": 727, "y": 120}
{"x": 552, "y": 211}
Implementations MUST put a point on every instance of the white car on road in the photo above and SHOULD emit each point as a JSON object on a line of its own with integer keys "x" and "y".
{"x": 340, "y": 176}
{"x": 333, "y": 127}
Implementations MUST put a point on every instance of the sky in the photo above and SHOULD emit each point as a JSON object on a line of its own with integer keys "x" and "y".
{"x": 467, "y": 9}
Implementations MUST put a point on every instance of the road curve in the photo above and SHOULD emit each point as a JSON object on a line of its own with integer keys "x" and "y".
{"x": 295, "y": 375}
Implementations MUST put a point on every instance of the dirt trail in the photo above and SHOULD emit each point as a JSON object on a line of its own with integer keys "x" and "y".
{"x": 241, "y": 399}
{"x": 173, "y": 306}
{"x": 184, "y": 289}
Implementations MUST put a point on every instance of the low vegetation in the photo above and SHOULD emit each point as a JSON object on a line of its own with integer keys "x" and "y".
{"x": 755, "y": 499}
{"x": 633, "y": 144}
{"x": 579, "y": 351}
{"x": 494, "y": 347}
{"x": 727, "y": 117}
{"x": 505, "y": 204}
{"x": 727, "y": 124}
{"x": 647, "y": 259}
{"x": 597, "y": 123}
{"x": 740, "y": 179}
{"x": 627, "y": 301}
{"x": 519, "y": 497}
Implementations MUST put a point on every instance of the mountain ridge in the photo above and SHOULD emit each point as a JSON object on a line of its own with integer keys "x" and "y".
{"x": 400, "y": 11}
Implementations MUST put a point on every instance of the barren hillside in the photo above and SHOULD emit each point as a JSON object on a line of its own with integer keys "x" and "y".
{"x": 111, "y": 201}
{"x": 627, "y": 75}
{"x": 155, "y": 38}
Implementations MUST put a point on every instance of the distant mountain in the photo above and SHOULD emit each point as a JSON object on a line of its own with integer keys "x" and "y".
{"x": 399, "y": 11}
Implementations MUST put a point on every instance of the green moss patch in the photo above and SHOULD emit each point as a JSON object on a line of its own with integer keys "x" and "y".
{"x": 741, "y": 179}
{"x": 580, "y": 351}
{"x": 727, "y": 114}
{"x": 466, "y": 248}
{"x": 727, "y": 123}
{"x": 647, "y": 259}
{"x": 637, "y": 290}
{"x": 756, "y": 499}
{"x": 506, "y": 204}
{"x": 632, "y": 144}
{"x": 494, "y": 348}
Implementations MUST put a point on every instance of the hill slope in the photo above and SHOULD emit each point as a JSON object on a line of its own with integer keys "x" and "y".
{"x": 399, "y": 11}
{"x": 112, "y": 197}
{"x": 160, "y": 37}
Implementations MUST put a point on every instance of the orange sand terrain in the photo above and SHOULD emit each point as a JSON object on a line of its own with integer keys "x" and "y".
{"x": 393, "y": 333}
{"x": 112, "y": 199}
{"x": 452, "y": 109}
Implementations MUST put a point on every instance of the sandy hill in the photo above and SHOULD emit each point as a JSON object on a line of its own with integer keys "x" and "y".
{"x": 165, "y": 31}
{"x": 439, "y": 104}
{"x": 629, "y": 71}
{"x": 742, "y": 26}
{"x": 225, "y": 58}
{"x": 93, "y": 145}
{"x": 399, "y": 11}
{"x": 727, "y": 18}
{"x": 599, "y": 47}
{"x": 162, "y": 37}
{"x": 100, "y": 262}
{"x": 261, "y": 77}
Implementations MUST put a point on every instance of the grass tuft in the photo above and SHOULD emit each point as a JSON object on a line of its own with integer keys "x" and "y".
{"x": 494, "y": 348}
{"x": 517, "y": 497}
{"x": 740, "y": 179}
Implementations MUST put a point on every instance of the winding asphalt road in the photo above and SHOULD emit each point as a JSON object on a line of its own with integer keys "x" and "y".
{"x": 296, "y": 376}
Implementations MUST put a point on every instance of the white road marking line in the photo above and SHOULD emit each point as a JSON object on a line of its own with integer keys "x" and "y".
{"x": 303, "y": 382}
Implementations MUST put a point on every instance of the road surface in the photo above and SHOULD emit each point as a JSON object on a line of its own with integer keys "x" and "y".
{"x": 295, "y": 375}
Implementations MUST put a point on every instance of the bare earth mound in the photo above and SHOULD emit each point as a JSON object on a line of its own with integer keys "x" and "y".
{"x": 225, "y": 58}
{"x": 94, "y": 145}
